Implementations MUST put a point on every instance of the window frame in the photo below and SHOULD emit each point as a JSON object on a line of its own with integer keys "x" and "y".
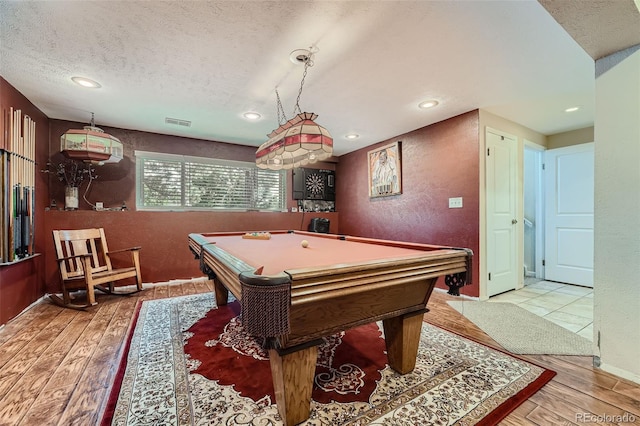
{"x": 141, "y": 156}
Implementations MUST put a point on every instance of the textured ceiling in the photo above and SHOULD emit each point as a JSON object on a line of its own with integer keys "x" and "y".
{"x": 601, "y": 27}
{"x": 209, "y": 61}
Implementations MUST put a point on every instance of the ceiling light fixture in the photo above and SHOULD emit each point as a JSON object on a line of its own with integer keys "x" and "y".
{"x": 572, "y": 109}
{"x": 85, "y": 82}
{"x": 91, "y": 144}
{"x": 428, "y": 104}
{"x": 252, "y": 116}
{"x": 300, "y": 140}
{"x": 351, "y": 136}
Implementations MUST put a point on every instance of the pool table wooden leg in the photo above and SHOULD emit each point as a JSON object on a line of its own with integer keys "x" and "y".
{"x": 222, "y": 294}
{"x": 292, "y": 382}
{"x": 402, "y": 337}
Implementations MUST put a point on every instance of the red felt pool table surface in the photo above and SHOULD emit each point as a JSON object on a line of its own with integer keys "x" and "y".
{"x": 284, "y": 251}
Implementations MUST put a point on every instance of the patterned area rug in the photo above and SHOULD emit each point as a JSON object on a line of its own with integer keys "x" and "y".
{"x": 188, "y": 364}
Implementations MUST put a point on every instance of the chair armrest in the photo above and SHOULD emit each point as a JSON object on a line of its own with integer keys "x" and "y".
{"x": 75, "y": 256}
{"x": 125, "y": 249}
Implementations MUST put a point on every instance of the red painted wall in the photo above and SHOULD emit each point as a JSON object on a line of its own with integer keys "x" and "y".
{"x": 438, "y": 162}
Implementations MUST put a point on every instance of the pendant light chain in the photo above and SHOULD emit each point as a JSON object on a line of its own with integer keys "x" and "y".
{"x": 282, "y": 118}
{"x": 307, "y": 63}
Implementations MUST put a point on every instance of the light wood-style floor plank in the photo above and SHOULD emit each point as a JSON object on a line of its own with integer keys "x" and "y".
{"x": 57, "y": 365}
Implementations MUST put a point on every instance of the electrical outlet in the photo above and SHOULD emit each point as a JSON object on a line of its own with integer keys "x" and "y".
{"x": 455, "y": 203}
{"x": 294, "y": 209}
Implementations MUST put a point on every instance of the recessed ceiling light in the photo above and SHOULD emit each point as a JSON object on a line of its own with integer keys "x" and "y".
{"x": 428, "y": 104}
{"x": 300, "y": 56}
{"x": 86, "y": 82}
{"x": 572, "y": 109}
{"x": 252, "y": 116}
{"x": 351, "y": 136}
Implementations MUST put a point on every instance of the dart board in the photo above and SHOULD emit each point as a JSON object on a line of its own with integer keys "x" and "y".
{"x": 313, "y": 184}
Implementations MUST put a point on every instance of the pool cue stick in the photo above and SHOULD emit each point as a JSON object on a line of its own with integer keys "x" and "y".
{"x": 32, "y": 184}
{"x": 14, "y": 189}
{"x": 33, "y": 193}
{"x": 25, "y": 189}
{"x": 4, "y": 181}
{"x": 27, "y": 230}
{"x": 10, "y": 194}
{"x": 17, "y": 226}
{"x": 24, "y": 239}
{"x": 18, "y": 188}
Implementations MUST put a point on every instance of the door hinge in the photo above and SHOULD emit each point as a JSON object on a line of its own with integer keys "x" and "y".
{"x": 488, "y": 151}
{"x": 489, "y": 276}
{"x": 543, "y": 262}
{"x": 543, "y": 167}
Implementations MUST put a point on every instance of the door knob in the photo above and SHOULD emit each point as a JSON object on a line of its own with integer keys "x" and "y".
{"x": 514, "y": 221}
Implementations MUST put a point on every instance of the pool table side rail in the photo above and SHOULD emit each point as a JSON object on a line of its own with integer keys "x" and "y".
{"x": 307, "y": 284}
{"x": 218, "y": 263}
{"x": 440, "y": 257}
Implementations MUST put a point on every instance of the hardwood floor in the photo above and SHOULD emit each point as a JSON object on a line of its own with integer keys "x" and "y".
{"x": 57, "y": 365}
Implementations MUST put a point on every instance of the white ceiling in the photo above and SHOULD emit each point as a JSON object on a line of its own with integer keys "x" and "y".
{"x": 209, "y": 61}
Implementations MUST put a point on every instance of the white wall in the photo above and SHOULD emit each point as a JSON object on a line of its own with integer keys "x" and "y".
{"x": 617, "y": 214}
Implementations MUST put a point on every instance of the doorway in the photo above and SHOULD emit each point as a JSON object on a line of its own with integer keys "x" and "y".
{"x": 558, "y": 214}
{"x": 533, "y": 211}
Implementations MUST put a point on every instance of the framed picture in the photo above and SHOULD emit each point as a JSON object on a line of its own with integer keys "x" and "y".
{"x": 385, "y": 173}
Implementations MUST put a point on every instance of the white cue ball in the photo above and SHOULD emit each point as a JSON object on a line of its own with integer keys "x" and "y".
{"x": 305, "y": 243}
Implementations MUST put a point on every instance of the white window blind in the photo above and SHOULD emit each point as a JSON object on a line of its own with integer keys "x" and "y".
{"x": 176, "y": 182}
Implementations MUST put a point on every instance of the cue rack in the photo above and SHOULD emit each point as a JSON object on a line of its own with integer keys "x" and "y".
{"x": 17, "y": 199}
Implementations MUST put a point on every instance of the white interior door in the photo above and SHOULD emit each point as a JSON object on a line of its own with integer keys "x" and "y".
{"x": 569, "y": 189}
{"x": 502, "y": 251}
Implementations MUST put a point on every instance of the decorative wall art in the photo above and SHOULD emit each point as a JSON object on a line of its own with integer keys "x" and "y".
{"x": 385, "y": 174}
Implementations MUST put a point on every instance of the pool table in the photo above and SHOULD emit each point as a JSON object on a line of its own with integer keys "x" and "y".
{"x": 294, "y": 295}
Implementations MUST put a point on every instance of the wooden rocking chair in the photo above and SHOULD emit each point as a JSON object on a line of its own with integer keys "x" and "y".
{"x": 85, "y": 264}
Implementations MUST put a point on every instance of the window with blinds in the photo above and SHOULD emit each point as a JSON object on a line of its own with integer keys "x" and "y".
{"x": 177, "y": 182}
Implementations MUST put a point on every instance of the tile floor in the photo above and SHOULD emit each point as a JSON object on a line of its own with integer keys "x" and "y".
{"x": 569, "y": 306}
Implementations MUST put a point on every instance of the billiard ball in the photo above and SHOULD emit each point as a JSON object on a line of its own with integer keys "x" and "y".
{"x": 305, "y": 243}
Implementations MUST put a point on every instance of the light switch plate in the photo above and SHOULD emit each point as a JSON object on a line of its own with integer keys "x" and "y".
{"x": 455, "y": 203}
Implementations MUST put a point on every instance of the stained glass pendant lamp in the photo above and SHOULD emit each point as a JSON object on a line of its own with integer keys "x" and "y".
{"x": 91, "y": 144}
